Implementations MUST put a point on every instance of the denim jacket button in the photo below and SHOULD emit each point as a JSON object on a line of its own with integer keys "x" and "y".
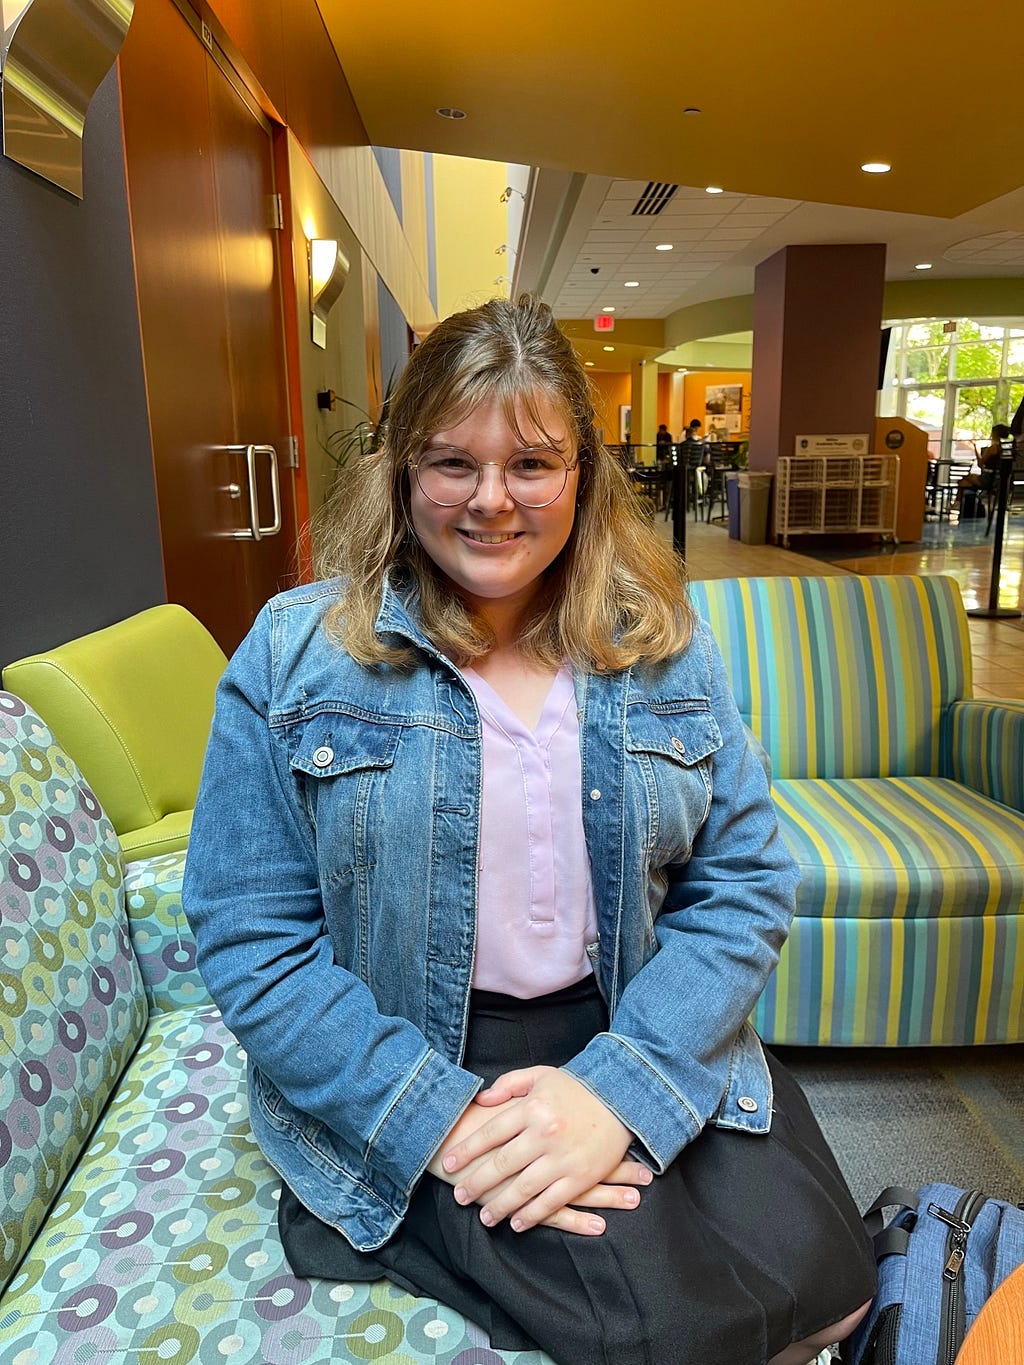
{"x": 324, "y": 756}
{"x": 748, "y": 1105}
{"x": 595, "y": 795}
{"x": 678, "y": 745}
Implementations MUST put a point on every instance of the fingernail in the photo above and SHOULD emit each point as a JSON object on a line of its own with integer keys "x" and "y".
{"x": 486, "y": 1217}
{"x": 448, "y": 1163}
{"x": 631, "y": 1197}
{"x": 647, "y": 1177}
{"x": 517, "y": 1225}
{"x": 461, "y": 1197}
{"x": 597, "y": 1225}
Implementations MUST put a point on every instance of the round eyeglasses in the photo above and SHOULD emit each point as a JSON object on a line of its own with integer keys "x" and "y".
{"x": 533, "y": 477}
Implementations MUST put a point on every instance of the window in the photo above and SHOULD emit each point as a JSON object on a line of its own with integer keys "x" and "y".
{"x": 955, "y": 379}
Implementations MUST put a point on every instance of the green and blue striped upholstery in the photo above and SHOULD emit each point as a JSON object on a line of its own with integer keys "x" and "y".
{"x": 901, "y": 800}
{"x": 842, "y": 676}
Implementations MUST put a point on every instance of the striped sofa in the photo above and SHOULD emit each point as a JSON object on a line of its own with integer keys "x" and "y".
{"x": 901, "y": 799}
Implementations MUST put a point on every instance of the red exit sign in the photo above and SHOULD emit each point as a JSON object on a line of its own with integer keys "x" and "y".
{"x": 604, "y": 322}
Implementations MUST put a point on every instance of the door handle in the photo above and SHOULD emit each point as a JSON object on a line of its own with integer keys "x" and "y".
{"x": 256, "y": 531}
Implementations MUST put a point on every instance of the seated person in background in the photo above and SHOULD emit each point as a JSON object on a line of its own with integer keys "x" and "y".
{"x": 696, "y": 454}
{"x": 692, "y": 432}
{"x": 989, "y": 462}
{"x": 663, "y": 444}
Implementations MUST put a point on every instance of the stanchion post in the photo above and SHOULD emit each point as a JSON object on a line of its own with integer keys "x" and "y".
{"x": 994, "y": 611}
{"x": 679, "y": 506}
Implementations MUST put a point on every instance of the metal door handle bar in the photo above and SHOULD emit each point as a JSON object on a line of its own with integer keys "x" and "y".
{"x": 255, "y": 530}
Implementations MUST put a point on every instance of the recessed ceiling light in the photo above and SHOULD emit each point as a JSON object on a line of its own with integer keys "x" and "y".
{"x": 589, "y": 364}
{"x": 448, "y": 112}
{"x": 663, "y": 246}
{"x": 713, "y": 189}
{"x": 607, "y": 348}
{"x": 876, "y": 167}
{"x": 691, "y": 111}
{"x": 631, "y": 284}
{"x": 609, "y": 310}
{"x": 923, "y": 265}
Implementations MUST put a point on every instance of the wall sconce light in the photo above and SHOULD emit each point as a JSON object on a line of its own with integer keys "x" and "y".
{"x": 507, "y": 194}
{"x": 53, "y": 55}
{"x": 328, "y": 271}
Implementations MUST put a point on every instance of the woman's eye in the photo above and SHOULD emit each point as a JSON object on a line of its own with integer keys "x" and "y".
{"x": 535, "y": 462}
{"x": 449, "y": 462}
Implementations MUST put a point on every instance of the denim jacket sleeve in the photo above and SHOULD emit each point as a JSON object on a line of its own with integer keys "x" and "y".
{"x": 252, "y": 898}
{"x": 679, "y": 1048}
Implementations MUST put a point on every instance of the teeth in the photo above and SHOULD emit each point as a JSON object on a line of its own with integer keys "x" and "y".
{"x": 490, "y": 540}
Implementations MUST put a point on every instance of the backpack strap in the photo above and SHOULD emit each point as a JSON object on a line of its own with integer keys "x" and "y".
{"x": 893, "y": 1196}
{"x": 891, "y": 1241}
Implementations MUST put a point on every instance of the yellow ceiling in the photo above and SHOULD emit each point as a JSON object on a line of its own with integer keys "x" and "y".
{"x": 794, "y": 95}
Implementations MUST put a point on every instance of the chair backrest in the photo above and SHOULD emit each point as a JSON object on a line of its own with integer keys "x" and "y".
{"x": 132, "y": 704}
{"x": 843, "y": 676}
{"x": 72, "y": 1005}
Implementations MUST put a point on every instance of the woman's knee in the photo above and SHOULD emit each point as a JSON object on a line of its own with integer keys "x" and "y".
{"x": 802, "y": 1352}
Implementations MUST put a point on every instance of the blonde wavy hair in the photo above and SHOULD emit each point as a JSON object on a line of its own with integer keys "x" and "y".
{"x": 616, "y": 594}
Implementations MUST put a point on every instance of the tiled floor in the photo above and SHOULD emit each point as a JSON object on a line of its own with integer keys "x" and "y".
{"x": 962, "y": 552}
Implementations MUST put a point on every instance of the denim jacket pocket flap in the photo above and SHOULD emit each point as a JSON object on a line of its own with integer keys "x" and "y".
{"x": 332, "y": 744}
{"x": 687, "y": 735}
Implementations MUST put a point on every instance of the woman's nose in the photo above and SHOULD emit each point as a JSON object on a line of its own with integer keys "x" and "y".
{"x": 491, "y": 495}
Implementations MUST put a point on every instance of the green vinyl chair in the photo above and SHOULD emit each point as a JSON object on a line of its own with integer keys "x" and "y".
{"x": 132, "y": 705}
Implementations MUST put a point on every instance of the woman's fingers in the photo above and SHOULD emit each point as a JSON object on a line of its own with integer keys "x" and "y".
{"x": 577, "y": 1221}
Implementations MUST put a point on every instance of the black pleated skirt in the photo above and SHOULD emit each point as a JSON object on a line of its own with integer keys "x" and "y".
{"x": 745, "y": 1244}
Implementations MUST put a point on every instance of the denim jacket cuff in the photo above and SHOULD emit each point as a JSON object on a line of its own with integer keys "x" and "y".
{"x": 423, "y": 1114}
{"x": 639, "y": 1096}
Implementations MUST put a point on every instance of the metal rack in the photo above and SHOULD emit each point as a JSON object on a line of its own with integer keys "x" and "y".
{"x": 836, "y": 494}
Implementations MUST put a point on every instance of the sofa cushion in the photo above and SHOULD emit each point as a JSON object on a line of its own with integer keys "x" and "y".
{"x": 909, "y": 924}
{"x": 843, "y": 676}
{"x": 164, "y": 1243}
{"x": 160, "y": 934}
{"x": 72, "y": 1006}
{"x": 132, "y": 704}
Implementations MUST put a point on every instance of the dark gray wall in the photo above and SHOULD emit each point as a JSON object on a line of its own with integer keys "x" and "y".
{"x": 394, "y": 336}
{"x": 79, "y": 541}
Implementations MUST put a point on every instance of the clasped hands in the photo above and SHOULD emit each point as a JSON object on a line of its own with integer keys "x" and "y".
{"x": 534, "y": 1144}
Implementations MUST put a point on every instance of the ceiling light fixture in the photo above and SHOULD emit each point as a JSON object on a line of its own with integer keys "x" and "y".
{"x": 610, "y": 309}
{"x": 876, "y": 167}
{"x": 713, "y": 189}
{"x": 328, "y": 271}
{"x": 631, "y": 284}
{"x": 691, "y": 110}
{"x": 663, "y": 246}
{"x": 450, "y": 112}
{"x": 589, "y": 364}
{"x": 607, "y": 348}
{"x": 923, "y": 265}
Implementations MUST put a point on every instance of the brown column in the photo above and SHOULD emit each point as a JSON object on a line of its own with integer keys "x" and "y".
{"x": 817, "y": 321}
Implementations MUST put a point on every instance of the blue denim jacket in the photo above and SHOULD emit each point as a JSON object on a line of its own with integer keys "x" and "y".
{"x": 331, "y": 884}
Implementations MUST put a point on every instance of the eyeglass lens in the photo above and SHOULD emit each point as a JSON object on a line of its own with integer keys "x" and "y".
{"x": 449, "y": 476}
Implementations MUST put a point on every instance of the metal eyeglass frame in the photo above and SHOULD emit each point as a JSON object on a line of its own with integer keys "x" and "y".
{"x": 481, "y": 465}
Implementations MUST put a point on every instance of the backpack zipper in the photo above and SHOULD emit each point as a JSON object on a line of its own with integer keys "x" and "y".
{"x": 953, "y": 1316}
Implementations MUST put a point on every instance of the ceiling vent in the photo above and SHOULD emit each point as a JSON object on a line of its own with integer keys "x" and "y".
{"x": 653, "y": 199}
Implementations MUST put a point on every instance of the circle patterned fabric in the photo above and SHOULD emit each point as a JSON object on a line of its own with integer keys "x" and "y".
{"x": 161, "y": 1244}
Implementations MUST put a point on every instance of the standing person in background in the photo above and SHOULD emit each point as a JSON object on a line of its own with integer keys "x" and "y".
{"x": 663, "y": 445}
{"x": 486, "y": 878}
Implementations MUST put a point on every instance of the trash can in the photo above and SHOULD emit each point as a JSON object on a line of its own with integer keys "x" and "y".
{"x": 754, "y": 495}
{"x": 732, "y": 504}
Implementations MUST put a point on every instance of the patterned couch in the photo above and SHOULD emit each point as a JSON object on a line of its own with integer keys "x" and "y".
{"x": 138, "y": 1214}
{"x": 902, "y": 800}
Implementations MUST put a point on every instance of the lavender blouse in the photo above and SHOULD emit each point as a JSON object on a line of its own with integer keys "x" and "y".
{"x": 536, "y": 904}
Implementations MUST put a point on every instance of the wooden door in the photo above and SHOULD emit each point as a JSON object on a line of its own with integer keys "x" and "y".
{"x": 200, "y": 167}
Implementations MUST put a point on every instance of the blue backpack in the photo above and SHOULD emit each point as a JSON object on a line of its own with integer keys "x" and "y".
{"x": 940, "y": 1256}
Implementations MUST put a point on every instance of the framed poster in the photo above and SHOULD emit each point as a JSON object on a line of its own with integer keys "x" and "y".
{"x": 625, "y": 414}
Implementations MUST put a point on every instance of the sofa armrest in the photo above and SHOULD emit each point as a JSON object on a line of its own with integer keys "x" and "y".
{"x": 160, "y": 934}
{"x": 985, "y": 749}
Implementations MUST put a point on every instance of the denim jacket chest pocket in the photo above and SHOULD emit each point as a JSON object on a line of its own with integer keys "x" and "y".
{"x": 673, "y": 745}
{"x": 340, "y": 764}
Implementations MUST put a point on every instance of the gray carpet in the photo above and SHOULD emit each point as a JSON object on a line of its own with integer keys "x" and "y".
{"x": 910, "y": 1115}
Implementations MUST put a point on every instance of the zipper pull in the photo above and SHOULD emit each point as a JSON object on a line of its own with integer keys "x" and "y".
{"x": 957, "y": 1255}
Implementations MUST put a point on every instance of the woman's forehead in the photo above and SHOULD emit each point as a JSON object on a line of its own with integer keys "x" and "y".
{"x": 531, "y": 415}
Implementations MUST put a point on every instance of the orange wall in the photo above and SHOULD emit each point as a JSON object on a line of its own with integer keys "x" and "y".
{"x": 695, "y": 392}
{"x": 613, "y": 390}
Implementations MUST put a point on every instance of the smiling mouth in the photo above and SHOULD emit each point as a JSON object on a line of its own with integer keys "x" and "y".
{"x": 482, "y": 538}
